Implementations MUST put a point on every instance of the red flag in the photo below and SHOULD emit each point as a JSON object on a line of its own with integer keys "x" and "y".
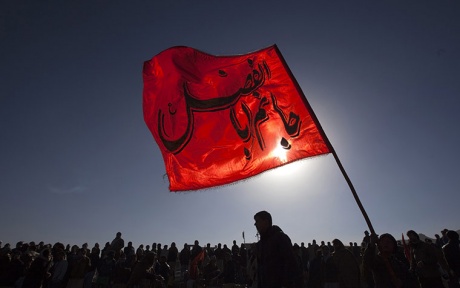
{"x": 195, "y": 263}
{"x": 220, "y": 119}
{"x": 406, "y": 249}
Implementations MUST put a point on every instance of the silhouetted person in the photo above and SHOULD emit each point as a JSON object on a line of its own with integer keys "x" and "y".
{"x": 105, "y": 270}
{"x": 387, "y": 269}
{"x": 38, "y": 271}
{"x": 184, "y": 259}
{"x": 196, "y": 249}
{"x": 366, "y": 239}
{"x": 163, "y": 269}
{"x": 444, "y": 238}
{"x": 424, "y": 262}
{"x": 348, "y": 271}
{"x": 173, "y": 252}
{"x": 329, "y": 274}
{"x": 117, "y": 244}
{"x": 452, "y": 255}
{"x": 314, "y": 280}
{"x": 277, "y": 265}
{"x": 235, "y": 248}
{"x": 144, "y": 270}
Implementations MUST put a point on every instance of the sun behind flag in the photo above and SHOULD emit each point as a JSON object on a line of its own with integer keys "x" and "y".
{"x": 220, "y": 119}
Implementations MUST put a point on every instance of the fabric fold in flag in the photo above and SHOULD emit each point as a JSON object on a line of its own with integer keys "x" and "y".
{"x": 220, "y": 119}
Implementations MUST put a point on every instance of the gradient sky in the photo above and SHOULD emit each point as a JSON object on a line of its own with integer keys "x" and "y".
{"x": 78, "y": 164}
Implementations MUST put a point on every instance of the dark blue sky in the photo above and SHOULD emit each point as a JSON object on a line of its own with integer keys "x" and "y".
{"x": 78, "y": 164}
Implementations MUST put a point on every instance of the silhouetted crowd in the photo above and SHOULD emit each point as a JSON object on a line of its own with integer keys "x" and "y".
{"x": 379, "y": 261}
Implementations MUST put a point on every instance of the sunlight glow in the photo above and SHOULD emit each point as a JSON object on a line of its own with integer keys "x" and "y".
{"x": 280, "y": 153}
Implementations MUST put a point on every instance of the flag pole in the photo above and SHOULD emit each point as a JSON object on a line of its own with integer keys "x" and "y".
{"x": 353, "y": 191}
{"x": 331, "y": 149}
{"x": 344, "y": 173}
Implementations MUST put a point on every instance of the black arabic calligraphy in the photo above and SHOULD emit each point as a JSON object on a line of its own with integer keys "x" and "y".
{"x": 254, "y": 80}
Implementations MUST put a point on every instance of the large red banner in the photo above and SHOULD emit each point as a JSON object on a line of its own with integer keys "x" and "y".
{"x": 220, "y": 119}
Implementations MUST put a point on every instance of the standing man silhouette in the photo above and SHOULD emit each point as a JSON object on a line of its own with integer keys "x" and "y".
{"x": 276, "y": 263}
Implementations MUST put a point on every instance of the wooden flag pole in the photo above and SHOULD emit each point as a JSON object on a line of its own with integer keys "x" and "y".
{"x": 332, "y": 150}
{"x": 353, "y": 191}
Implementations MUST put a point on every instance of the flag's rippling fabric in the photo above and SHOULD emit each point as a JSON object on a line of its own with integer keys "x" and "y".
{"x": 219, "y": 119}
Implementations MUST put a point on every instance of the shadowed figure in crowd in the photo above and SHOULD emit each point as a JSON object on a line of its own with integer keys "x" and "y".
{"x": 38, "y": 271}
{"x": 348, "y": 272}
{"x": 424, "y": 262}
{"x": 451, "y": 252}
{"x": 117, "y": 244}
{"x": 276, "y": 262}
{"x": 387, "y": 269}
